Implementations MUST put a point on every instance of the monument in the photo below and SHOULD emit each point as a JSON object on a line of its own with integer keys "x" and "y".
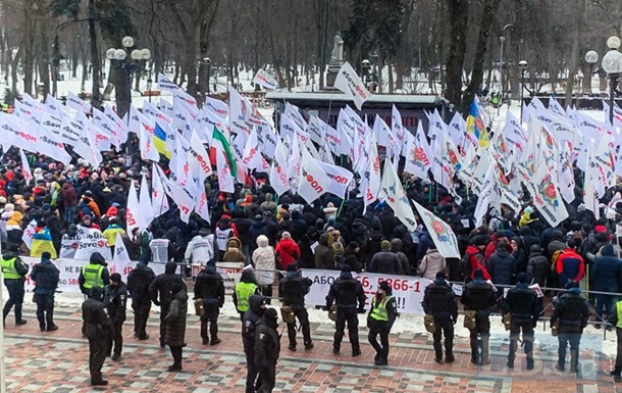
{"x": 336, "y": 61}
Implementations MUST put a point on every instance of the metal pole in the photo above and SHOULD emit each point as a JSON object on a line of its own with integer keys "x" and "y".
{"x": 502, "y": 39}
{"x": 613, "y": 81}
{"x": 522, "y": 93}
{"x": 209, "y": 71}
{"x": 149, "y": 82}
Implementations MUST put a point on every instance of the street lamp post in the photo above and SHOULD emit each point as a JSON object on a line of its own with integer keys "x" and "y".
{"x": 522, "y": 65}
{"x": 365, "y": 71}
{"x": 612, "y": 65}
{"x": 502, "y": 41}
{"x": 129, "y": 60}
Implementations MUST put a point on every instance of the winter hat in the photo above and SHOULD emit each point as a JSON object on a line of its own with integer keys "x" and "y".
{"x": 440, "y": 276}
{"x": 581, "y": 208}
{"x": 523, "y": 278}
{"x": 291, "y": 268}
{"x": 501, "y": 245}
{"x": 115, "y": 277}
{"x": 286, "y": 235}
{"x": 346, "y": 269}
{"x": 535, "y": 248}
{"x": 384, "y": 286}
{"x": 600, "y": 229}
{"x": 271, "y": 314}
{"x": 385, "y": 245}
{"x": 478, "y": 273}
{"x": 45, "y": 255}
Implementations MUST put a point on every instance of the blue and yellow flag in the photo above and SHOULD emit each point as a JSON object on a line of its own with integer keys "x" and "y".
{"x": 476, "y": 125}
{"x": 159, "y": 141}
{"x": 41, "y": 242}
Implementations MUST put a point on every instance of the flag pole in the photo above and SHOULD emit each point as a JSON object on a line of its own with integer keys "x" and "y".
{"x": 2, "y": 366}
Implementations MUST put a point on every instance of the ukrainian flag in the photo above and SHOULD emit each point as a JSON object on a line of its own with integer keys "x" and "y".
{"x": 41, "y": 242}
{"x": 476, "y": 125}
{"x": 159, "y": 141}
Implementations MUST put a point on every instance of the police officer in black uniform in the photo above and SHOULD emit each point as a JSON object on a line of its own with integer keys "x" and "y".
{"x": 98, "y": 329}
{"x": 256, "y": 308}
{"x": 14, "y": 271}
{"x": 292, "y": 290}
{"x": 381, "y": 317}
{"x": 138, "y": 282}
{"x": 46, "y": 277}
{"x": 115, "y": 300}
{"x": 210, "y": 287}
{"x": 160, "y": 293}
{"x": 522, "y": 304}
{"x": 479, "y": 297}
{"x": 440, "y": 302}
{"x": 267, "y": 349}
{"x": 572, "y": 313}
{"x": 349, "y": 296}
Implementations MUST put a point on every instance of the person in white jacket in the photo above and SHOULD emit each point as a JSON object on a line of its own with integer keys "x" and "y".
{"x": 432, "y": 263}
{"x": 265, "y": 265}
{"x": 201, "y": 248}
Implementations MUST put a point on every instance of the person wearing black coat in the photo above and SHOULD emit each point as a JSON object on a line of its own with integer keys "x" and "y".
{"x": 385, "y": 261}
{"x": 307, "y": 257}
{"x": 46, "y": 276}
{"x": 501, "y": 266}
{"x": 522, "y": 304}
{"x": 243, "y": 224}
{"x": 572, "y": 312}
{"x": 138, "y": 282}
{"x": 115, "y": 300}
{"x": 348, "y": 294}
{"x": 160, "y": 293}
{"x": 256, "y": 308}
{"x": 267, "y": 349}
{"x": 98, "y": 328}
{"x": 372, "y": 244}
{"x": 292, "y": 290}
{"x": 605, "y": 276}
{"x": 210, "y": 287}
{"x": 440, "y": 302}
{"x": 257, "y": 228}
{"x": 479, "y": 296}
{"x": 298, "y": 226}
{"x": 538, "y": 266}
{"x": 14, "y": 272}
{"x": 175, "y": 320}
{"x": 352, "y": 257}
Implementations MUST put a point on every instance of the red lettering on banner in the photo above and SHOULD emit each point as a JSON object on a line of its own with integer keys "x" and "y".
{"x": 250, "y": 156}
{"x": 131, "y": 221}
{"x": 314, "y": 184}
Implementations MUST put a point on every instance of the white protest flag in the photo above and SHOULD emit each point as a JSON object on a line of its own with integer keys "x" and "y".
{"x": 122, "y": 127}
{"x": 218, "y": 107}
{"x": 503, "y": 185}
{"x": 470, "y": 161}
{"x": 515, "y": 134}
{"x": 184, "y": 202}
{"x": 417, "y": 159}
{"x": 441, "y": 167}
{"x": 132, "y": 212}
{"x": 487, "y": 196}
{"x": 28, "y": 114}
{"x": 371, "y": 175}
{"x": 436, "y": 128}
{"x": 617, "y": 114}
{"x": 146, "y": 206}
{"x": 165, "y": 84}
{"x": 546, "y": 197}
{"x": 85, "y": 148}
{"x": 349, "y": 82}
{"x": 316, "y": 129}
{"x": 179, "y": 164}
{"x": 326, "y": 155}
{"x": 121, "y": 257}
{"x": 25, "y": 167}
{"x": 333, "y": 139}
{"x": 398, "y": 129}
{"x": 187, "y": 98}
{"x": 457, "y": 129}
{"x": 54, "y": 107}
{"x": 239, "y": 112}
{"x": 293, "y": 160}
{"x": 555, "y": 107}
{"x": 590, "y": 197}
{"x": 103, "y": 123}
{"x": 288, "y": 127}
{"x": 102, "y": 140}
{"x": 481, "y": 176}
{"x": 278, "y": 176}
{"x": 268, "y": 139}
{"x": 340, "y": 178}
{"x": 16, "y": 132}
{"x": 264, "y": 79}
{"x": 145, "y": 135}
{"x": 29, "y": 234}
{"x": 294, "y": 112}
{"x": 392, "y": 191}
{"x": 443, "y": 236}
{"x": 565, "y": 175}
{"x": 226, "y": 182}
{"x": 201, "y": 208}
{"x": 602, "y": 159}
{"x": 501, "y": 152}
{"x": 51, "y": 146}
{"x": 77, "y": 103}
{"x": 158, "y": 198}
{"x": 313, "y": 180}
{"x": 154, "y": 115}
{"x": 199, "y": 158}
{"x": 384, "y": 136}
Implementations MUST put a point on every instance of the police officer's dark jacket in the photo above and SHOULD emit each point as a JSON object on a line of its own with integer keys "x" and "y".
{"x": 138, "y": 281}
{"x": 210, "y": 287}
{"x": 521, "y": 302}
{"x": 115, "y": 300}
{"x": 346, "y": 291}
{"x": 439, "y": 300}
{"x": 251, "y": 317}
{"x": 293, "y": 289}
{"x": 572, "y": 312}
{"x": 478, "y": 295}
{"x": 161, "y": 286}
{"x": 97, "y": 325}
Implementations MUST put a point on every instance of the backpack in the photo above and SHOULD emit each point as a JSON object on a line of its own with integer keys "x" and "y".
{"x": 464, "y": 267}
{"x": 554, "y": 260}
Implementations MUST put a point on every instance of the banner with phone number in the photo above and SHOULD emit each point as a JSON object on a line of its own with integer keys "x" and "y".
{"x": 408, "y": 290}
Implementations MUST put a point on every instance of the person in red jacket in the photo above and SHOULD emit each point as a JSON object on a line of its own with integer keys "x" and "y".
{"x": 476, "y": 253}
{"x": 491, "y": 248}
{"x": 570, "y": 267}
{"x": 287, "y": 250}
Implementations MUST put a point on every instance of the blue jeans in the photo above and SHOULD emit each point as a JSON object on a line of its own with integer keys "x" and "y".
{"x": 573, "y": 339}
{"x": 70, "y": 214}
{"x": 604, "y": 304}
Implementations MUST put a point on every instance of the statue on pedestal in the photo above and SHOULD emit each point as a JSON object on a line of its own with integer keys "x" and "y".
{"x": 336, "y": 57}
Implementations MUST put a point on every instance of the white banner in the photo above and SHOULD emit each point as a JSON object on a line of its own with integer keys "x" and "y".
{"x": 349, "y": 82}
{"x": 407, "y": 290}
{"x": 264, "y": 79}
